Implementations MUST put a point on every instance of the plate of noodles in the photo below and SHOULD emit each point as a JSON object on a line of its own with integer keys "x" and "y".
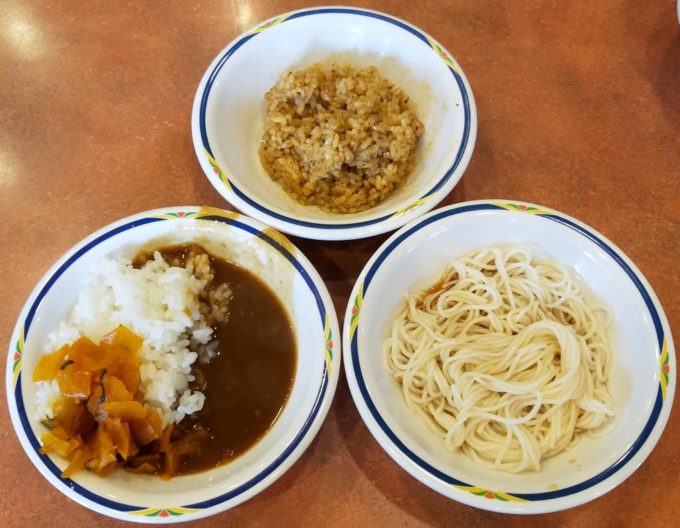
{"x": 173, "y": 364}
{"x": 509, "y": 357}
{"x": 334, "y": 123}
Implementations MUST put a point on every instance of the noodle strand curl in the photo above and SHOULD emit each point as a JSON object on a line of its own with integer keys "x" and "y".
{"x": 503, "y": 358}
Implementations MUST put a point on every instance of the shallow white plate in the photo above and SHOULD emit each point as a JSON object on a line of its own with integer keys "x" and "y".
{"x": 247, "y": 243}
{"x": 228, "y": 114}
{"x": 642, "y": 375}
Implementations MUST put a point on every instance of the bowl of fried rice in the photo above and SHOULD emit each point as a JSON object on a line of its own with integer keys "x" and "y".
{"x": 334, "y": 123}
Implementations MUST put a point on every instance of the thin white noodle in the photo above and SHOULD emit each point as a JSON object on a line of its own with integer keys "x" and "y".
{"x": 504, "y": 358}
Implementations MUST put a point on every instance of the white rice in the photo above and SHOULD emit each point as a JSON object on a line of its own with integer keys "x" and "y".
{"x": 160, "y": 304}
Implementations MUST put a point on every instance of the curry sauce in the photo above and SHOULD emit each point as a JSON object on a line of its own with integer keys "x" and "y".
{"x": 247, "y": 382}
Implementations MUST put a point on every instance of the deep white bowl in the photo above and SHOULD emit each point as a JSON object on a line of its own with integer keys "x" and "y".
{"x": 642, "y": 378}
{"x": 228, "y": 114}
{"x": 246, "y": 242}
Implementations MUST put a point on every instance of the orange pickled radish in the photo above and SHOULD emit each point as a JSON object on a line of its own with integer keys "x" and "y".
{"x": 123, "y": 337}
{"x": 128, "y": 410}
{"x": 120, "y": 435}
{"x": 142, "y": 431}
{"x": 115, "y": 390}
{"x": 58, "y": 441}
{"x": 59, "y": 433}
{"x": 74, "y": 383}
{"x": 171, "y": 465}
{"x": 89, "y": 356}
{"x": 171, "y": 461}
{"x": 73, "y": 417}
{"x": 50, "y": 364}
{"x": 102, "y": 464}
{"x": 146, "y": 430}
{"x": 95, "y": 399}
{"x": 52, "y": 444}
{"x": 155, "y": 420}
{"x": 105, "y": 440}
{"x": 127, "y": 370}
{"x": 99, "y": 420}
{"x": 77, "y": 461}
{"x": 103, "y": 451}
{"x": 165, "y": 438}
{"x": 133, "y": 450}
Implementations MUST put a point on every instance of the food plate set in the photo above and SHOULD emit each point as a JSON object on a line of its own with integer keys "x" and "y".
{"x": 247, "y": 243}
{"x": 504, "y": 354}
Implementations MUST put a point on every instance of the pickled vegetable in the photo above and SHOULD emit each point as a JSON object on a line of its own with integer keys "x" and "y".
{"x": 99, "y": 423}
{"x": 49, "y": 365}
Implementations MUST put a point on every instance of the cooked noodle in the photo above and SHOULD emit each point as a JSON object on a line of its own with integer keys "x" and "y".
{"x": 503, "y": 358}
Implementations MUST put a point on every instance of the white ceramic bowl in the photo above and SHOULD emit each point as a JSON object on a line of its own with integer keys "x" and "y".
{"x": 642, "y": 375}
{"x": 228, "y": 114}
{"x": 247, "y": 243}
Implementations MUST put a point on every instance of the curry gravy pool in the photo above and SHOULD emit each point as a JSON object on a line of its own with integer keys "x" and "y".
{"x": 248, "y": 382}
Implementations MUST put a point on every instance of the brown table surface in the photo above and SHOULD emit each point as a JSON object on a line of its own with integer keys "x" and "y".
{"x": 578, "y": 108}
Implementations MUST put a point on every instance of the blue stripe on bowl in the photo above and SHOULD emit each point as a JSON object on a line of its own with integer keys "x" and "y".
{"x": 323, "y": 11}
{"x": 616, "y": 466}
{"x": 121, "y": 507}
